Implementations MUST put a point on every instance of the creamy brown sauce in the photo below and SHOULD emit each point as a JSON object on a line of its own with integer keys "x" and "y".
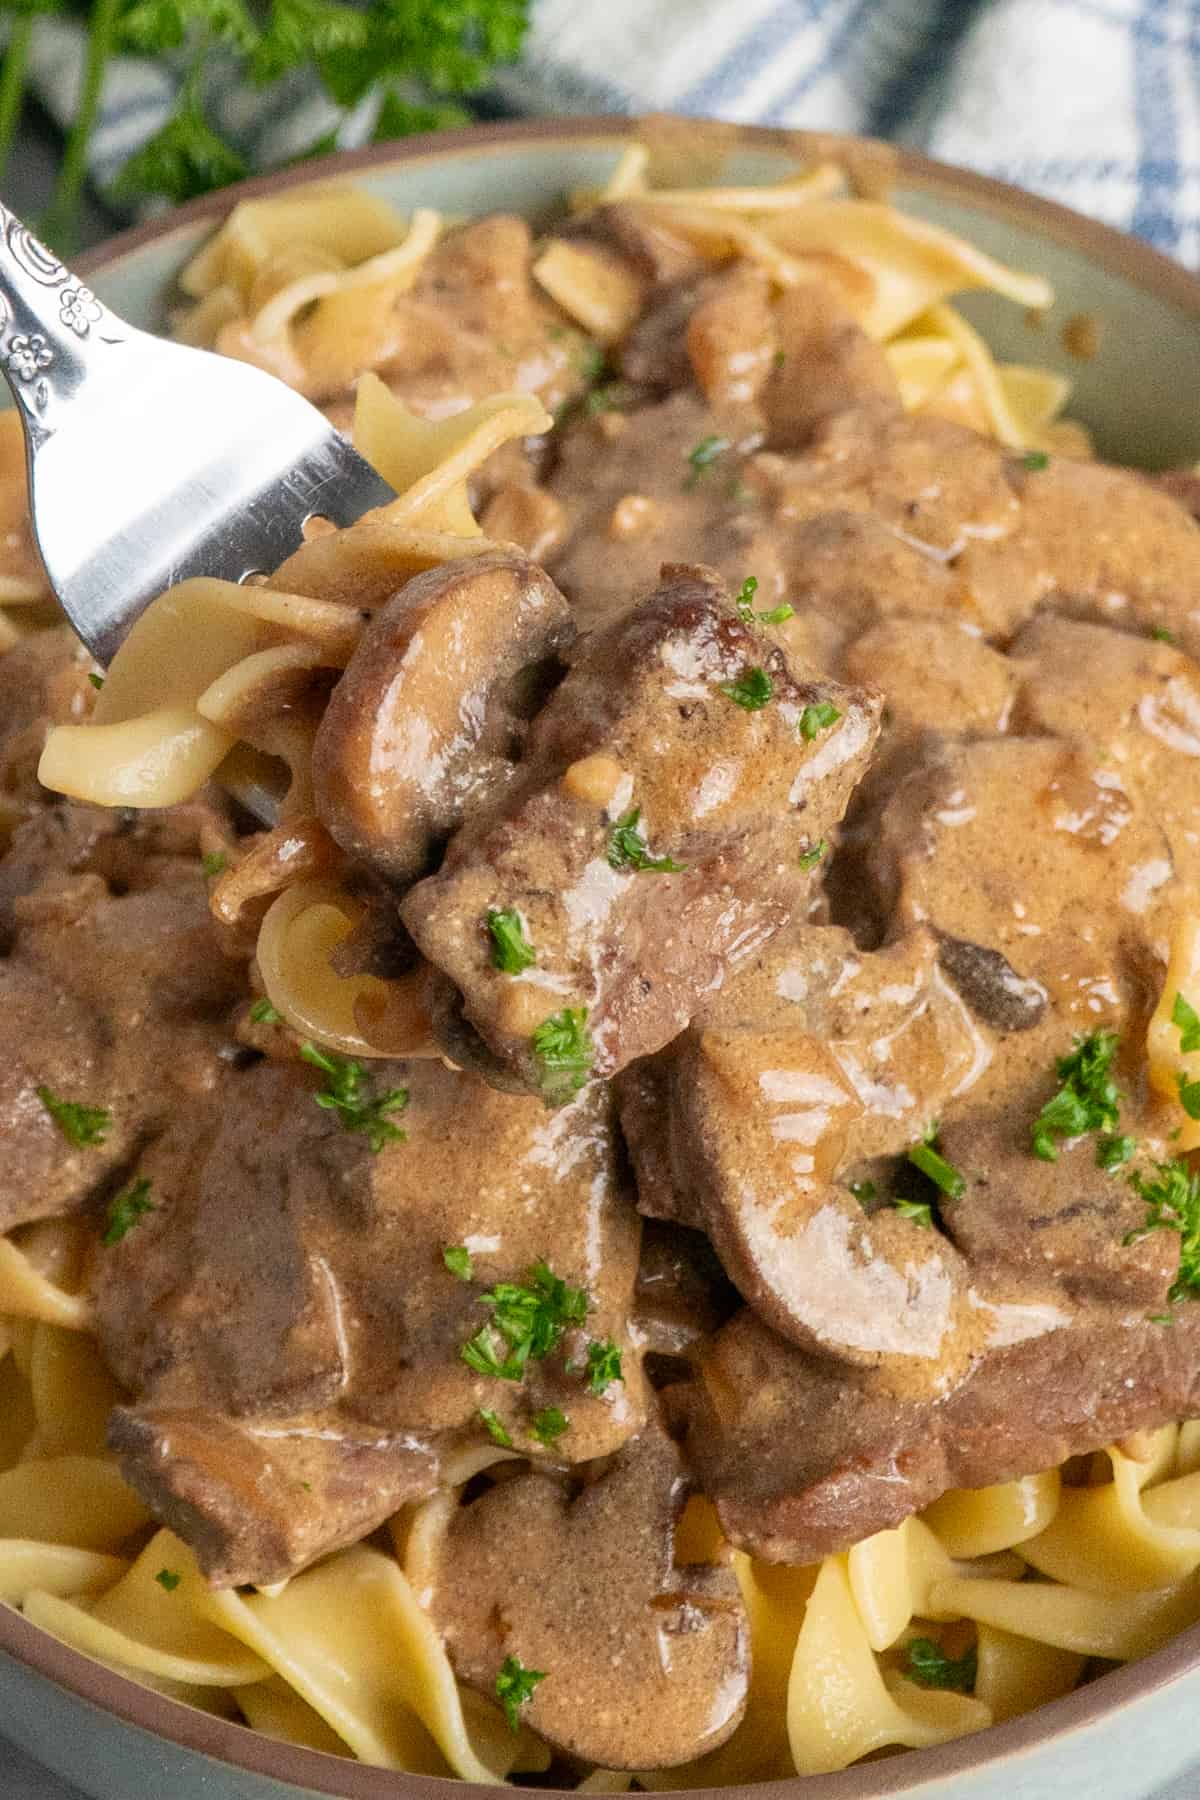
{"x": 890, "y": 855}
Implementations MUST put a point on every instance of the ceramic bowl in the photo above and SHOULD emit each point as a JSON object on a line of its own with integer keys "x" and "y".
{"x": 1124, "y": 1736}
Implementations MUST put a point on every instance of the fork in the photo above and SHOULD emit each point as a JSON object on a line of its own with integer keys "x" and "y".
{"x": 150, "y": 461}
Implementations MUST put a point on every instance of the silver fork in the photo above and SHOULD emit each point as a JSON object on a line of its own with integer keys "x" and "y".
{"x": 150, "y": 461}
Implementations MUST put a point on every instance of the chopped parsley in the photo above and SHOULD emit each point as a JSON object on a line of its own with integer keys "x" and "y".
{"x": 919, "y": 1211}
{"x": 565, "y": 1053}
{"x": 614, "y": 396}
{"x": 1035, "y": 461}
{"x": 591, "y": 361}
{"x": 1163, "y": 636}
{"x": 745, "y": 605}
{"x": 512, "y": 951}
{"x": 864, "y": 1192}
{"x": 817, "y": 717}
{"x": 929, "y": 1666}
{"x": 627, "y": 849}
{"x": 1187, "y": 1018}
{"x": 1189, "y": 1096}
{"x": 527, "y": 1323}
{"x": 926, "y": 1157}
{"x": 168, "y": 1579}
{"x": 214, "y": 863}
{"x": 83, "y": 1126}
{"x": 779, "y": 358}
{"x": 603, "y": 1365}
{"x": 457, "y": 1259}
{"x": 752, "y": 690}
{"x": 1087, "y": 1100}
{"x": 345, "y": 1093}
{"x": 1172, "y": 1200}
{"x": 97, "y": 681}
{"x": 495, "y": 1427}
{"x": 125, "y": 1211}
{"x": 514, "y": 1686}
{"x": 702, "y": 456}
{"x": 263, "y": 1013}
{"x": 1112, "y": 1152}
{"x": 548, "y": 1425}
{"x": 808, "y": 859}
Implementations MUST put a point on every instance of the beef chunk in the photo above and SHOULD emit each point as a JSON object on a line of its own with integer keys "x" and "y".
{"x": 825, "y": 364}
{"x": 520, "y": 1573}
{"x": 289, "y": 1289}
{"x": 429, "y": 717}
{"x": 646, "y": 729}
{"x": 803, "y": 1458}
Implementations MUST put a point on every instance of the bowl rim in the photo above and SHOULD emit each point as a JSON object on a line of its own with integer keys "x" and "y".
{"x": 250, "y": 1752}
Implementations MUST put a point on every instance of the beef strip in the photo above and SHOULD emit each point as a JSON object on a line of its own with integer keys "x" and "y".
{"x": 286, "y": 1314}
{"x": 803, "y": 1458}
{"x": 583, "y": 1587}
{"x": 427, "y": 722}
{"x": 644, "y": 724}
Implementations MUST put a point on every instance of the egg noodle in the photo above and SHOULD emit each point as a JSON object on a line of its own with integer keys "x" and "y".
{"x": 1036, "y": 1580}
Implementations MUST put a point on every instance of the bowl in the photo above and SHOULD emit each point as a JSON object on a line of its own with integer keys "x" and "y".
{"x": 1123, "y": 1736}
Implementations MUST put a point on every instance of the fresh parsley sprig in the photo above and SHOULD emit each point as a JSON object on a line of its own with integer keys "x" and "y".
{"x": 527, "y": 1323}
{"x": 512, "y": 951}
{"x": 627, "y": 849}
{"x": 1172, "y": 1197}
{"x": 346, "y": 1093}
{"x": 778, "y": 615}
{"x": 83, "y": 1126}
{"x": 514, "y": 1686}
{"x": 125, "y": 1211}
{"x": 1087, "y": 1100}
{"x": 929, "y": 1666}
{"x": 564, "y": 1052}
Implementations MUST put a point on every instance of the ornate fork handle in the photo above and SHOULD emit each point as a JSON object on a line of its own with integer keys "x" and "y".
{"x": 51, "y": 326}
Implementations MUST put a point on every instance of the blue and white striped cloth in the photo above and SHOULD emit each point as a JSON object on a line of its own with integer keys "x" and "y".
{"x": 1094, "y": 102}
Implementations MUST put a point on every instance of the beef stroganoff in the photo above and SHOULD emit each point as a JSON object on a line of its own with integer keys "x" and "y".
{"x": 644, "y": 1229}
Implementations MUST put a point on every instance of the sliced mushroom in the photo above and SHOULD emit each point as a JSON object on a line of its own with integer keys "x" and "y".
{"x": 430, "y": 715}
{"x": 990, "y": 985}
{"x": 521, "y": 1573}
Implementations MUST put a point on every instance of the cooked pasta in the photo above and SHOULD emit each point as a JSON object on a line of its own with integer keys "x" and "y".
{"x": 988, "y": 1600}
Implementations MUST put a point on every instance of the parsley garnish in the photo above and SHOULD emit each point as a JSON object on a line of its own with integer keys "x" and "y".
{"x": 751, "y": 691}
{"x": 808, "y": 859}
{"x": 745, "y": 605}
{"x": 614, "y": 396}
{"x": 495, "y": 1426}
{"x": 548, "y": 1425}
{"x": 1163, "y": 635}
{"x": 457, "y": 1259}
{"x": 931, "y": 1162}
{"x": 627, "y": 849}
{"x": 97, "y": 681}
{"x": 345, "y": 1094}
{"x": 511, "y": 950}
{"x": 1187, "y": 1018}
{"x": 563, "y": 1047}
{"x": 929, "y": 1666}
{"x": 919, "y": 1211}
{"x": 1112, "y": 1153}
{"x": 816, "y": 718}
{"x": 591, "y": 361}
{"x": 263, "y": 1013}
{"x": 703, "y": 455}
{"x": 1035, "y": 461}
{"x": 125, "y": 1211}
{"x": 603, "y": 1365}
{"x": 81, "y": 1125}
{"x": 1088, "y": 1099}
{"x": 514, "y": 1686}
{"x": 1173, "y": 1204}
{"x": 864, "y": 1192}
{"x": 214, "y": 863}
{"x": 530, "y": 1318}
{"x": 1189, "y": 1096}
{"x": 168, "y": 1579}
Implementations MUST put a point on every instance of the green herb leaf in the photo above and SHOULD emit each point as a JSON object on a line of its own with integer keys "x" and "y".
{"x": 548, "y": 1425}
{"x": 926, "y": 1157}
{"x": 1162, "y": 634}
{"x": 816, "y": 718}
{"x": 150, "y": 27}
{"x": 603, "y": 1365}
{"x": 168, "y": 1579}
{"x": 527, "y": 1323}
{"x": 1112, "y": 1153}
{"x": 808, "y": 859}
{"x": 613, "y": 396}
{"x": 1184, "y": 1014}
{"x": 1189, "y": 1096}
{"x": 752, "y": 690}
{"x": 346, "y": 1094}
{"x": 1035, "y": 461}
{"x": 214, "y": 863}
{"x": 563, "y": 1048}
{"x": 514, "y": 1686}
{"x": 745, "y": 606}
{"x": 184, "y": 158}
{"x": 125, "y": 1211}
{"x": 627, "y": 849}
{"x": 702, "y": 457}
{"x": 1172, "y": 1200}
{"x": 929, "y": 1666}
{"x": 97, "y": 681}
{"x": 591, "y": 361}
{"x": 457, "y": 1259}
{"x": 399, "y": 117}
{"x": 496, "y": 1428}
{"x": 1160, "y": 1318}
{"x": 919, "y": 1211}
{"x": 83, "y": 1126}
{"x": 864, "y": 1191}
{"x": 511, "y": 950}
{"x": 263, "y": 1013}
{"x": 1088, "y": 1099}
